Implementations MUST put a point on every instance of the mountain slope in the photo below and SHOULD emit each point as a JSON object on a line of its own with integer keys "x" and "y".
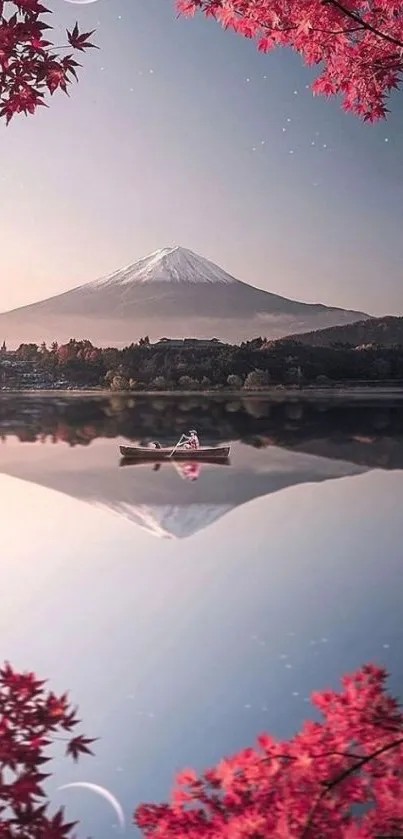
{"x": 385, "y": 332}
{"x": 172, "y": 293}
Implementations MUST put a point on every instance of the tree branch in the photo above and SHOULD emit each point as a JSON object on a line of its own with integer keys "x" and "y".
{"x": 368, "y": 26}
{"x": 342, "y": 777}
{"x": 362, "y": 762}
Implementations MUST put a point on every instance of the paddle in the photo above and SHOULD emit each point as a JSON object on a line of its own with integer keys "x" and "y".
{"x": 178, "y": 444}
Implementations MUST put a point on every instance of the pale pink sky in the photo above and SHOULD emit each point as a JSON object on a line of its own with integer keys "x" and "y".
{"x": 180, "y": 133}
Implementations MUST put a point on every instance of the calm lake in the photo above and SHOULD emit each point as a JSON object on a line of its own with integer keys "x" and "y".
{"x": 187, "y": 616}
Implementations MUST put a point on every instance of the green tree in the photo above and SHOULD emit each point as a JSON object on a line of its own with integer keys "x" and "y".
{"x": 235, "y": 382}
{"x": 119, "y": 383}
{"x": 159, "y": 383}
{"x": 187, "y": 383}
{"x": 256, "y": 380}
{"x": 322, "y": 380}
{"x": 381, "y": 368}
{"x": 294, "y": 375}
{"x": 27, "y": 352}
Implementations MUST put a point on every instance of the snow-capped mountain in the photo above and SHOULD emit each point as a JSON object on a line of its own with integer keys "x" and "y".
{"x": 171, "y": 293}
{"x": 176, "y": 265}
{"x": 161, "y": 502}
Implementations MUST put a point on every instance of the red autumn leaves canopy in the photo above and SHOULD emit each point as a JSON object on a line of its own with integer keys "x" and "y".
{"x": 30, "y": 66}
{"x": 30, "y": 719}
{"x": 305, "y": 788}
{"x": 358, "y": 43}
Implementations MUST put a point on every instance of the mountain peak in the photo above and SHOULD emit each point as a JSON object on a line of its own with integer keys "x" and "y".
{"x": 173, "y": 264}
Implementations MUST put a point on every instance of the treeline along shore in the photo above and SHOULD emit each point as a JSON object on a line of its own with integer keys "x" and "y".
{"x": 192, "y": 365}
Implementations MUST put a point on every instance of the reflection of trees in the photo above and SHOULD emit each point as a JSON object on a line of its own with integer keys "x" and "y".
{"x": 339, "y": 778}
{"x": 257, "y": 408}
{"x": 294, "y": 411}
{"x": 254, "y": 421}
{"x": 233, "y": 406}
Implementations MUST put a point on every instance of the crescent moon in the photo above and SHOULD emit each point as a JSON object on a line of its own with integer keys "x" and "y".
{"x": 104, "y": 793}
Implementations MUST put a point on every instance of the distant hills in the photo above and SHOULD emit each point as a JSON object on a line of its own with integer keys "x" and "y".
{"x": 171, "y": 293}
{"x": 385, "y": 332}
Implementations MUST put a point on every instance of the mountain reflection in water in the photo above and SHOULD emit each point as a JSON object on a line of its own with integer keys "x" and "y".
{"x": 289, "y": 444}
{"x": 159, "y": 501}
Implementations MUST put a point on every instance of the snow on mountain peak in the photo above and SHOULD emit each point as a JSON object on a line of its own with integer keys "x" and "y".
{"x": 172, "y": 521}
{"x": 175, "y": 265}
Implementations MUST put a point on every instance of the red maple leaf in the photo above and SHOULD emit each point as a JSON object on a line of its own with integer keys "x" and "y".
{"x": 30, "y": 717}
{"x": 57, "y": 828}
{"x": 30, "y": 66}
{"x": 304, "y": 788}
{"x": 79, "y": 745}
{"x": 79, "y": 40}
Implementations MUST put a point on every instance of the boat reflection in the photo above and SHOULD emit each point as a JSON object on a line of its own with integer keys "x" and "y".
{"x": 142, "y": 461}
{"x": 188, "y": 470}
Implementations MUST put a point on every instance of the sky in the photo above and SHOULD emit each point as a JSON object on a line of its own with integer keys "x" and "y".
{"x": 179, "y": 133}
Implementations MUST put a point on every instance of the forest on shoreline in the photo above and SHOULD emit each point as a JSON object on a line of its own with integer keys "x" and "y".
{"x": 199, "y": 366}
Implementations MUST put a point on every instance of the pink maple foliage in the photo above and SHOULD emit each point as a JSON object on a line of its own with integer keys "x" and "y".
{"x": 357, "y": 43}
{"x": 31, "y": 718}
{"x": 30, "y": 65}
{"x": 305, "y": 788}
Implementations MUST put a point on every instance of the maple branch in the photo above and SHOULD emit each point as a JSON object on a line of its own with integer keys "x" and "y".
{"x": 337, "y": 31}
{"x": 363, "y": 23}
{"x": 266, "y": 28}
{"x": 342, "y": 777}
{"x": 362, "y": 762}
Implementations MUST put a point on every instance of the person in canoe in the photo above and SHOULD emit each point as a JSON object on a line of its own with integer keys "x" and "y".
{"x": 190, "y": 441}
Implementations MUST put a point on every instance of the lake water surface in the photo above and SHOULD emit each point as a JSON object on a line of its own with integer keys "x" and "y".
{"x": 185, "y": 617}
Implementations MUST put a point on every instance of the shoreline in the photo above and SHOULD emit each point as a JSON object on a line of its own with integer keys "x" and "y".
{"x": 332, "y": 393}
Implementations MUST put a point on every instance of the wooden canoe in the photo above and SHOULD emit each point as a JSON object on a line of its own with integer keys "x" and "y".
{"x": 212, "y": 454}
